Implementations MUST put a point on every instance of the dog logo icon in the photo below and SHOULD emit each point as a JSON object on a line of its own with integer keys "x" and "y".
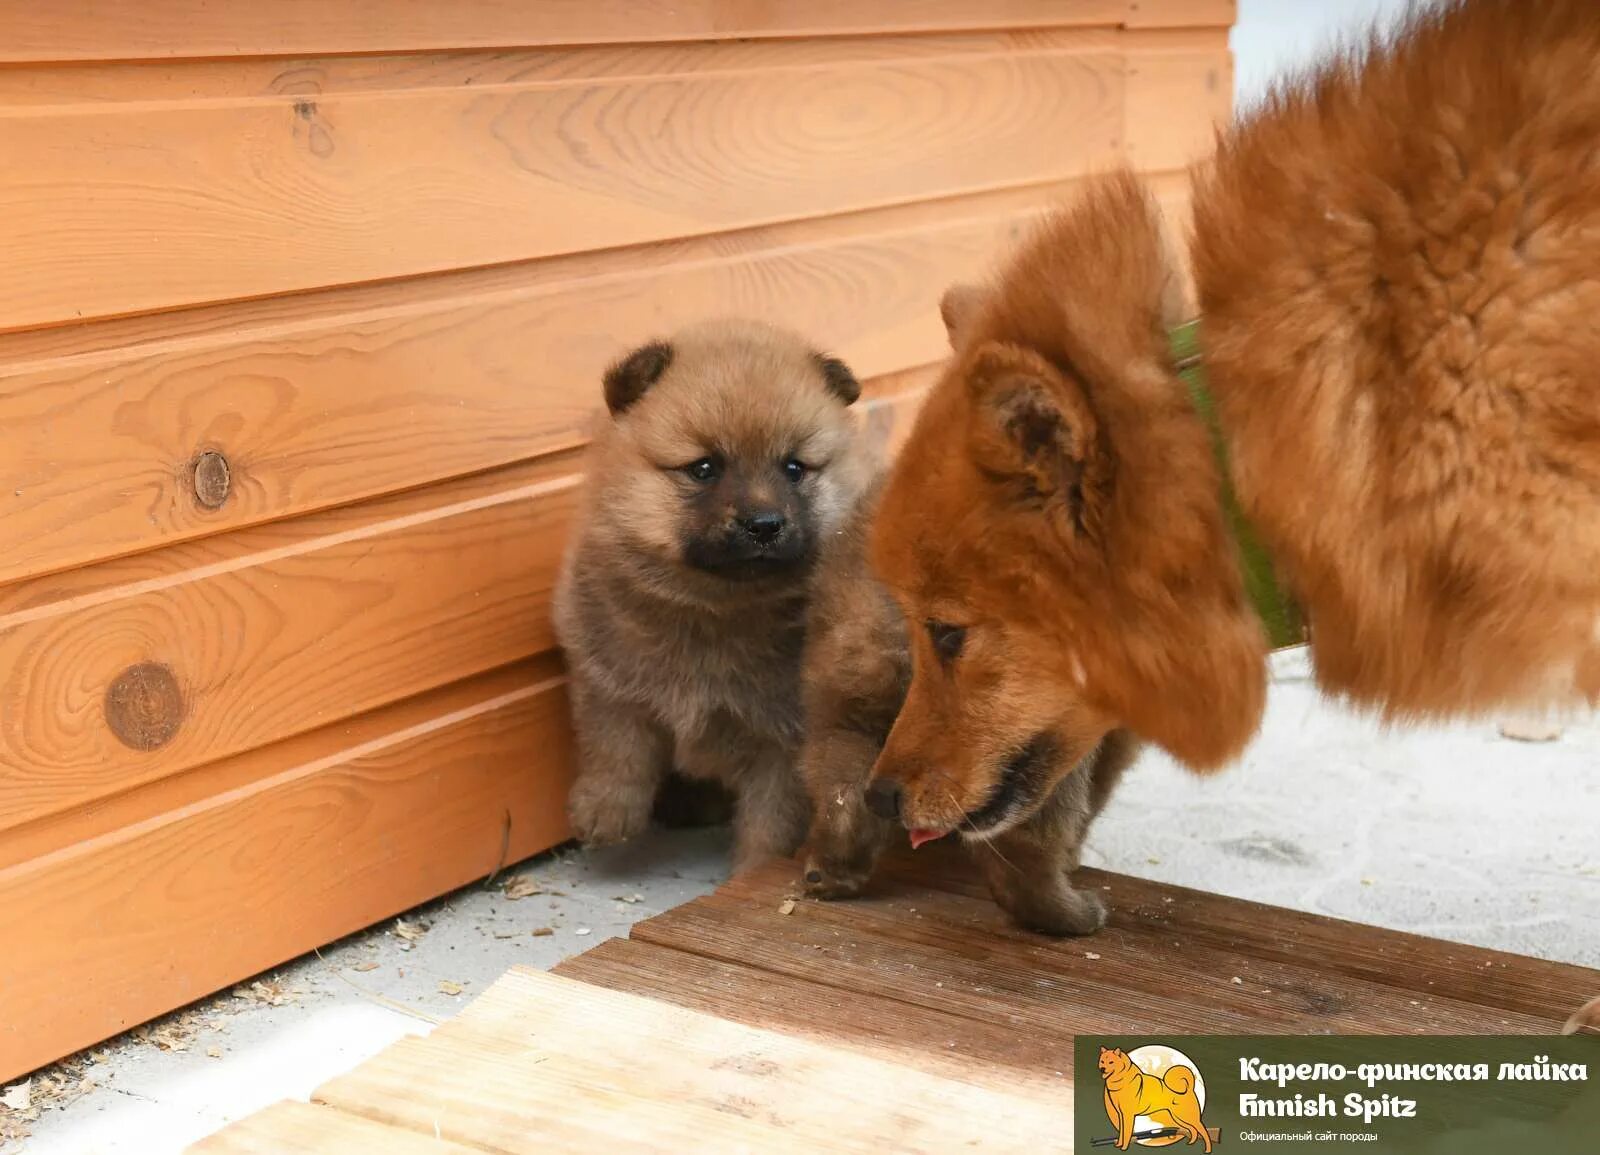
{"x": 1154, "y": 1096}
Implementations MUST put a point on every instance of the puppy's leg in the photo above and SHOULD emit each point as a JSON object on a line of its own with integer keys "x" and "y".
{"x": 1586, "y": 1021}
{"x": 622, "y": 756}
{"x": 770, "y": 816}
{"x": 1027, "y": 867}
{"x": 846, "y": 838}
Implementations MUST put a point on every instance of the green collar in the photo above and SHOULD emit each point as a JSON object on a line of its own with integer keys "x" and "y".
{"x": 1282, "y": 618}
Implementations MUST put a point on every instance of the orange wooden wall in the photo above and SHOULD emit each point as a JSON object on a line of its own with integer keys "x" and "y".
{"x": 303, "y": 309}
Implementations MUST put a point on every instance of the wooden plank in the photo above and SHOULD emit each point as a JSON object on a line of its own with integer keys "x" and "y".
{"x": 1176, "y": 99}
{"x": 914, "y": 945}
{"x": 540, "y": 1049}
{"x": 1497, "y": 981}
{"x": 1148, "y": 960}
{"x": 318, "y": 76}
{"x": 115, "y": 209}
{"x": 280, "y": 851}
{"x": 314, "y": 402}
{"x": 934, "y": 1040}
{"x": 1179, "y": 13}
{"x": 124, "y": 673}
{"x": 291, "y": 1127}
{"x": 529, "y": 1007}
{"x": 109, "y": 30}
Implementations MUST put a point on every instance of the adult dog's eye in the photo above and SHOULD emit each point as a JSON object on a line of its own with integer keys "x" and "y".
{"x": 706, "y": 469}
{"x": 794, "y": 469}
{"x": 947, "y": 639}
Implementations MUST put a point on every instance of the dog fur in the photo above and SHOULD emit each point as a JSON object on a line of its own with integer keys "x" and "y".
{"x": 1394, "y": 260}
{"x": 730, "y": 453}
{"x": 855, "y": 673}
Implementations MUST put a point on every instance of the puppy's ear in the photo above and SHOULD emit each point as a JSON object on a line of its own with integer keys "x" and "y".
{"x": 1034, "y": 429}
{"x": 838, "y": 377}
{"x": 629, "y": 379}
{"x": 958, "y": 307}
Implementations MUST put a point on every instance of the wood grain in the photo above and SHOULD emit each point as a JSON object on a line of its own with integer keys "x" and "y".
{"x": 869, "y": 1023}
{"x": 274, "y": 631}
{"x": 123, "y": 208}
{"x": 318, "y": 403}
{"x": 292, "y": 1128}
{"x": 1137, "y": 955}
{"x": 540, "y": 1058}
{"x": 109, "y": 30}
{"x": 1176, "y": 98}
{"x": 291, "y": 847}
{"x": 170, "y": 80}
{"x": 1179, "y": 13}
{"x": 1420, "y": 967}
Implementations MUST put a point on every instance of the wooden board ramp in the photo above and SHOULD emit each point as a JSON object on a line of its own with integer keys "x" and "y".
{"x": 914, "y": 1019}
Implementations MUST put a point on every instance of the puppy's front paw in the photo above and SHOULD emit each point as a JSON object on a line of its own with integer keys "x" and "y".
{"x": 1059, "y": 912}
{"x": 601, "y": 816}
{"x": 831, "y": 880}
{"x": 1586, "y": 1021}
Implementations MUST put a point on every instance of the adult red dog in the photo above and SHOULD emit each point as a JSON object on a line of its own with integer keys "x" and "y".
{"x": 1396, "y": 263}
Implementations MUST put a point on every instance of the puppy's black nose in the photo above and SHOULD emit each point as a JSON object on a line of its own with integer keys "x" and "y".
{"x": 763, "y": 527}
{"x": 883, "y": 798}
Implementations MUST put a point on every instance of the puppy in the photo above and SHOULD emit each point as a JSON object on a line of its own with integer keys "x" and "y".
{"x": 730, "y": 453}
{"x": 856, "y": 670}
{"x": 1394, "y": 261}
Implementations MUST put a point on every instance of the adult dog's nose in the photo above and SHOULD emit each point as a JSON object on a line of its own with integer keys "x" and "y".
{"x": 883, "y": 798}
{"x": 763, "y": 527}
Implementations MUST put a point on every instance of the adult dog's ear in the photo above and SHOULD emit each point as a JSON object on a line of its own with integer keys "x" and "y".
{"x": 958, "y": 308}
{"x": 1033, "y": 428}
{"x": 631, "y": 377}
{"x": 838, "y": 377}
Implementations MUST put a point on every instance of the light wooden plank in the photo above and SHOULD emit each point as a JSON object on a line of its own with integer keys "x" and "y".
{"x": 110, "y": 30}
{"x": 1179, "y": 13}
{"x": 170, "y": 80}
{"x": 932, "y": 1040}
{"x": 228, "y": 643}
{"x": 277, "y": 852}
{"x": 115, "y": 209}
{"x": 539, "y": 1037}
{"x": 317, "y": 402}
{"x": 1175, "y": 102}
{"x": 292, "y": 1127}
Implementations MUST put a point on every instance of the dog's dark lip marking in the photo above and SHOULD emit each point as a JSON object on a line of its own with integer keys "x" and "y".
{"x": 1023, "y": 777}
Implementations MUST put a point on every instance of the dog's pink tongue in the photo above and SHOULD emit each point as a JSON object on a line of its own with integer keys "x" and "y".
{"x": 920, "y": 837}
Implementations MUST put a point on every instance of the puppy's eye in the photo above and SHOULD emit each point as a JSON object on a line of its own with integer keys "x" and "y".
{"x": 947, "y": 639}
{"x": 706, "y": 469}
{"x": 794, "y": 469}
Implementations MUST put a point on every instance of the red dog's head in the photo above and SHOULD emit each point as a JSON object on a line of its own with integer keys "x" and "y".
{"x": 1053, "y": 532}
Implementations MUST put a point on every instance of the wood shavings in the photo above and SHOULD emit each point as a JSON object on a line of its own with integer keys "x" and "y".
{"x": 369, "y": 965}
{"x": 446, "y": 987}
{"x": 630, "y": 899}
{"x": 582, "y": 930}
{"x": 408, "y": 932}
{"x": 542, "y": 931}
{"x": 272, "y": 993}
{"x": 522, "y": 886}
{"x": 19, "y": 1097}
{"x": 1089, "y": 954}
{"x": 213, "y": 1052}
{"x": 786, "y": 906}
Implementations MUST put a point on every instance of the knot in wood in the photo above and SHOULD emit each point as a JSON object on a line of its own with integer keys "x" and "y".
{"x": 144, "y": 706}
{"x": 211, "y": 479}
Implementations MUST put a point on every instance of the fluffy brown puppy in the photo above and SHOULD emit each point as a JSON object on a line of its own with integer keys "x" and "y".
{"x": 1395, "y": 263}
{"x": 856, "y": 670}
{"x": 730, "y": 454}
